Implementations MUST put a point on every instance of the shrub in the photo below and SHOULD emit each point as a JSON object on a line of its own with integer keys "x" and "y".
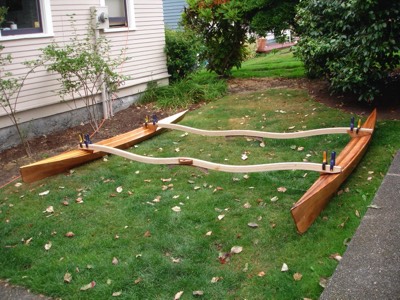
{"x": 182, "y": 48}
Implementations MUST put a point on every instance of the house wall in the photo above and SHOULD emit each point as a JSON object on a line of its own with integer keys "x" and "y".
{"x": 172, "y": 12}
{"x": 40, "y": 109}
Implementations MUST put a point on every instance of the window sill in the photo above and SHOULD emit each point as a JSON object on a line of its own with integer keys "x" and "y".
{"x": 25, "y": 36}
{"x": 119, "y": 29}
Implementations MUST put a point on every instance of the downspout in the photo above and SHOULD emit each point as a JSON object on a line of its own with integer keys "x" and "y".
{"x": 106, "y": 113}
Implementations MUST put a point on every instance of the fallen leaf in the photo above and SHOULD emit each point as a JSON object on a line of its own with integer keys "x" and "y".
{"x": 18, "y": 184}
{"x": 262, "y": 145}
{"x": 157, "y": 199}
{"x": 293, "y": 147}
{"x": 138, "y": 280}
{"x": 220, "y": 217}
{"x": 79, "y": 200}
{"x": 44, "y": 193}
{"x": 176, "y": 260}
{"x": 284, "y": 268}
{"x": 274, "y": 199}
{"x": 336, "y": 256}
{"x": 244, "y": 156}
{"x": 297, "y": 276}
{"x": 370, "y": 172}
{"x": 236, "y": 249}
{"x": 88, "y": 286}
{"x": 109, "y": 281}
{"x": 369, "y": 178}
{"x": 177, "y": 149}
{"x": 209, "y": 233}
{"x": 247, "y": 205}
{"x": 178, "y": 295}
{"x": 67, "y": 277}
{"x": 70, "y": 234}
{"x": 357, "y": 213}
{"x": 374, "y": 206}
{"x": 261, "y": 274}
{"x": 116, "y": 294}
{"x": 28, "y": 241}
{"x": 89, "y": 267}
{"x": 176, "y": 209}
{"x": 50, "y": 209}
{"x": 281, "y": 189}
{"x": 300, "y": 149}
{"x": 166, "y": 179}
{"x": 291, "y": 127}
{"x": 47, "y": 246}
{"x": 115, "y": 261}
{"x": 224, "y": 257}
{"x": 147, "y": 234}
{"x": 198, "y": 293}
{"x": 147, "y": 180}
{"x": 65, "y": 203}
{"x": 252, "y": 225}
{"x": 323, "y": 282}
{"x": 216, "y": 279}
{"x": 246, "y": 267}
{"x": 246, "y": 176}
{"x": 175, "y": 197}
{"x": 218, "y": 188}
{"x": 119, "y": 189}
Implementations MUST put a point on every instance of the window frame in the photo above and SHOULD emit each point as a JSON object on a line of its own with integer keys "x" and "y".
{"x": 130, "y": 16}
{"x": 46, "y": 28}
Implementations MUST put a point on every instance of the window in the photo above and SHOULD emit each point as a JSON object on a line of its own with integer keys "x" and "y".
{"x": 25, "y": 17}
{"x": 120, "y": 14}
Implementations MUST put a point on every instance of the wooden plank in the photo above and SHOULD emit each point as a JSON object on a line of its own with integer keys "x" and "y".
{"x": 307, "y": 209}
{"x": 214, "y": 166}
{"x": 68, "y": 160}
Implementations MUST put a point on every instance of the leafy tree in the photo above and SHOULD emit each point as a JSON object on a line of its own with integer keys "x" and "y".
{"x": 226, "y": 25}
{"x": 222, "y": 25}
{"x": 355, "y": 44}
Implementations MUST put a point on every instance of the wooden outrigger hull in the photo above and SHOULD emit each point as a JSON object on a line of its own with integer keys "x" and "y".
{"x": 71, "y": 159}
{"x": 310, "y": 205}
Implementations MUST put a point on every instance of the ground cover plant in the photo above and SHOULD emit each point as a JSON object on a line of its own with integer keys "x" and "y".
{"x": 148, "y": 232}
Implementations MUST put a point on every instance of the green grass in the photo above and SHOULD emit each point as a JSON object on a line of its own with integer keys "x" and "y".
{"x": 110, "y": 224}
{"x": 274, "y": 64}
{"x": 105, "y": 214}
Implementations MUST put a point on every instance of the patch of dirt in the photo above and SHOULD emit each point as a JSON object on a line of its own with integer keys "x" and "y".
{"x": 133, "y": 117}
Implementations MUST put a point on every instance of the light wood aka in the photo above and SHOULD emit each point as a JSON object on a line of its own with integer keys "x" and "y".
{"x": 307, "y": 209}
{"x": 215, "y": 166}
{"x": 70, "y": 159}
{"x": 271, "y": 135}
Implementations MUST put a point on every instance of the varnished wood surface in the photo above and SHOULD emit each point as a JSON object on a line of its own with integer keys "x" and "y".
{"x": 70, "y": 159}
{"x": 307, "y": 166}
{"x": 307, "y": 209}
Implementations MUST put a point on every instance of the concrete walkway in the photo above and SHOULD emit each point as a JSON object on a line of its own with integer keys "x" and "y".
{"x": 370, "y": 268}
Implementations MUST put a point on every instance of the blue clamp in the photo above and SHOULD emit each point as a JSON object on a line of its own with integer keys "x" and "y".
{"x": 333, "y": 160}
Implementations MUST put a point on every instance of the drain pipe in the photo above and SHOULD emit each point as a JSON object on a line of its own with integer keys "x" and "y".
{"x": 106, "y": 114}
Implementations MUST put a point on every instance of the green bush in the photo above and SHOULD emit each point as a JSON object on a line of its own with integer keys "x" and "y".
{"x": 182, "y": 48}
{"x": 353, "y": 43}
{"x": 193, "y": 89}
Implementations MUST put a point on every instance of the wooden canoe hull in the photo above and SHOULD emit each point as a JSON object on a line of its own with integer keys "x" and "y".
{"x": 65, "y": 161}
{"x": 310, "y": 205}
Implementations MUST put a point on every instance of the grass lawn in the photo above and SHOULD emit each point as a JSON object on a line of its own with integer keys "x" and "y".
{"x": 133, "y": 243}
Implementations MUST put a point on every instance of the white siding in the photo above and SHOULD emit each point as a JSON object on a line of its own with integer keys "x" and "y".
{"x": 172, "y": 12}
{"x": 145, "y": 46}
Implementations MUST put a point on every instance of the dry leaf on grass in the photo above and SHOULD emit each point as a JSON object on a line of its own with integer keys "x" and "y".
{"x": 336, "y": 256}
{"x": 216, "y": 279}
{"x": 252, "y": 225}
{"x": 116, "y": 294}
{"x": 115, "y": 261}
{"x": 119, "y": 189}
{"x": 138, "y": 280}
{"x": 284, "y": 268}
{"x": 47, "y": 246}
{"x": 67, "y": 277}
{"x": 198, "y": 293}
{"x": 297, "y": 276}
{"x": 70, "y": 234}
{"x": 281, "y": 189}
{"x": 209, "y": 233}
{"x": 220, "y": 217}
{"x": 261, "y": 274}
{"x": 44, "y": 193}
{"x": 176, "y": 209}
{"x": 49, "y": 209}
{"x": 357, "y": 213}
{"x": 374, "y": 206}
{"x": 178, "y": 295}
{"x": 274, "y": 199}
{"x": 247, "y": 205}
{"x": 147, "y": 234}
{"x": 166, "y": 179}
{"x": 88, "y": 286}
{"x": 323, "y": 282}
{"x": 236, "y": 249}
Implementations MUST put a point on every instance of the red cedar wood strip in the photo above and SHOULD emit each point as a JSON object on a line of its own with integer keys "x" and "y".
{"x": 68, "y": 160}
{"x": 307, "y": 209}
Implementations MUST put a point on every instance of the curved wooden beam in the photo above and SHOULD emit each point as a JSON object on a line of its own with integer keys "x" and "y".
{"x": 215, "y": 166}
{"x": 271, "y": 135}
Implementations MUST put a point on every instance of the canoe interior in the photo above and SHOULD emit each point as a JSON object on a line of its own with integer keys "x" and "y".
{"x": 65, "y": 161}
{"x": 310, "y": 205}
